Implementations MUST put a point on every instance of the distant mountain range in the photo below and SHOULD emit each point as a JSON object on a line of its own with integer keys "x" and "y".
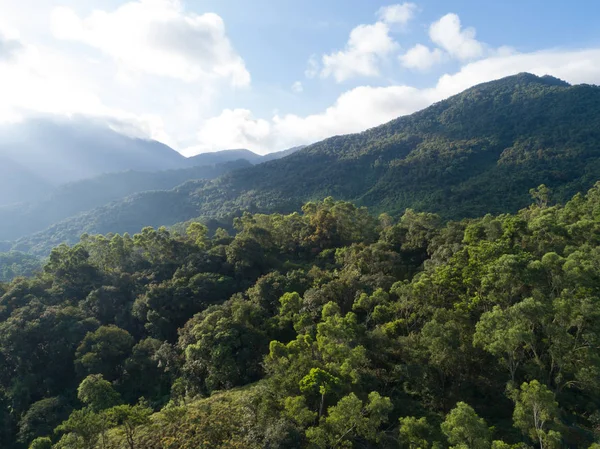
{"x": 475, "y": 153}
{"x": 38, "y": 155}
{"x": 45, "y": 153}
{"x": 18, "y": 220}
{"x": 219, "y": 157}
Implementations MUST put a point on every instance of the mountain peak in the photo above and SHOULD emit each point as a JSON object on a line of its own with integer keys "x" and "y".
{"x": 520, "y": 80}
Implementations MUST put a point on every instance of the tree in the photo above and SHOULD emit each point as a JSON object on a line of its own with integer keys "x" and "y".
{"x": 41, "y": 443}
{"x": 197, "y": 233}
{"x": 414, "y": 433}
{"x": 535, "y": 411}
{"x": 104, "y": 351}
{"x": 81, "y": 430}
{"x": 541, "y": 195}
{"x": 41, "y": 418}
{"x": 465, "y": 429}
{"x": 97, "y": 393}
{"x": 504, "y": 333}
{"x": 319, "y": 382}
{"x": 129, "y": 418}
{"x": 350, "y": 419}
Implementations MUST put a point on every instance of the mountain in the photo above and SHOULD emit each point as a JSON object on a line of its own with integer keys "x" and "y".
{"x": 219, "y": 157}
{"x": 281, "y": 154}
{"x": 41, "y": 154}
{"x": 478, "y": 152}
{"x": 80, "y": 149}
{"x": 18, "y": 183}
{"x": 70, "y": 199}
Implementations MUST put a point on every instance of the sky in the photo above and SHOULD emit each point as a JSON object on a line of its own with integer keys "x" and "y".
{"x": 267, "y": 75}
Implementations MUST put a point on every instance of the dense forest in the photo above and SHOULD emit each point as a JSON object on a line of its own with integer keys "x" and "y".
{"x": 325, "y": 328}
{"x": 475, "y": 153}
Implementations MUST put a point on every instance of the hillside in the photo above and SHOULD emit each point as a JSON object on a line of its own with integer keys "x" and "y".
{"x": 475, "y": 153}
{"x": 219, "y": 157}
{"x": 73, "y": 198}
{"x": 322, "y": 329}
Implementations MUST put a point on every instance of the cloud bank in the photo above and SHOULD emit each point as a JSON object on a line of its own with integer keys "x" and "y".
{"x": 150, "y": 68}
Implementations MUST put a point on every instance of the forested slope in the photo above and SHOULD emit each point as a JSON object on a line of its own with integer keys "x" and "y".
{"x": 475, "y": 153}
{"x": 322, "y": 329}
{"x": 70, "y": 199}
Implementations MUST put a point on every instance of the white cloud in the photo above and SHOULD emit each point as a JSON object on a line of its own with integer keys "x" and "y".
{"x": 366, "y": 47}
{"x": 138, "y": 97}
{"x": 364, "y": 107}
{"x": 297, "y": 87}
{"x": 421, "y": 57}
{"x": 399, "y": 14}
{"x": 459, "y": 43}
{"x": 232, "y": 129}
{"x": 140, "y": 80}
{"x": 157, "y": 37}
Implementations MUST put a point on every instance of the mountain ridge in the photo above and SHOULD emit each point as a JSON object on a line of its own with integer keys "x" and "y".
{"x": 477, "y": 152}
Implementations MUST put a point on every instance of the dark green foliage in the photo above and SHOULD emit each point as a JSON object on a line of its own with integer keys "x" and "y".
{"x": 326, "y": 328}
{"x": 14, "y": 264}
{"x": 475, "y": 153}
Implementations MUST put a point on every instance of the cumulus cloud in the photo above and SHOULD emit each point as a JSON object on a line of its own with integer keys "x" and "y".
{"x": 399, "y": 14}
{"x": 421, "y": 57}
{"x": 364, "y": 107}
{"x": 459, "y": 42}
{"x": 157, "y": 37}
{"x": 366, "y": 47}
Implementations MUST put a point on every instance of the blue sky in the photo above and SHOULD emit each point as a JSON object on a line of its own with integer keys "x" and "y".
{"x": 206, "y": 75}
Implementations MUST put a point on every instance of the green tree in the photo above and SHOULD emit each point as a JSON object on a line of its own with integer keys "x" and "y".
{"x": 98, "y": 394}
{"x": 319, "y": 382}
{"x": 81, "y": 430}
{"x": 535, "y": 411}
{"x": 465, "y": 429}
{"x": 350, "y": 419}
{"x": 129, "y": 419}
{"x": 415, "y": 433}
{"x": 41, "y": 418}
{"x": 41, "y": 443}
{"x": 104, "y": 351}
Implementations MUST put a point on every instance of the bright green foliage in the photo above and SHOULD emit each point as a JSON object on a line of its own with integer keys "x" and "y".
{"x": 465, "y": 429}
{"x": 197, "y": 232}
{"x": 81, "y": 430}
{"x": 506, "y": 334}
{"x": 350, "y": 419}
{"x": 535, "y": 411}
{"x": 319, "y": 383}
{"x": 346, "y": 322}
{"x": 295, "y": 408}
{"x": 415, "y": 433}
{"x": 128, "y": 420}
{"x": 97, "y": 393}
{"x": 41, "y": 443}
